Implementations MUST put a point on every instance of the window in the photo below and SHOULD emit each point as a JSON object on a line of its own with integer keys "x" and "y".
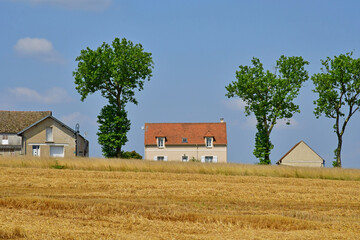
{"x": 5, "y": 140}
{"x": 49, "y": 134}
{"x": 184, "y": 140}
{"x": 185, "y": 158}
{"x": 160, "y": 158}
{"x": 160, "y": 142}
{"x": 208, "y": 141}
{"x": 36, "y": 150}
{"x": 209, "y": 159}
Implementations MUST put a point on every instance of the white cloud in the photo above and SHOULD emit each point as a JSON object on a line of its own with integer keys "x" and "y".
{"x": 40, "y": 48}
{"x": 54, "y": 95}
{"x": 89, "y": 5}
{"x": 76, "y": 117}
{"x": 34, "y": 46}
{"x": 235, "y": 104}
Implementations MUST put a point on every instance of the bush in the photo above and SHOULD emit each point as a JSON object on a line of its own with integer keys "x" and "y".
{"x": 58, "y": 166}
{"x": 194, "y": 160}
{"x": 131, "y": 155}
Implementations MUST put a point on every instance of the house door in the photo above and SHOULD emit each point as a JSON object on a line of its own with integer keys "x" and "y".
{"x": 36, "y": 150}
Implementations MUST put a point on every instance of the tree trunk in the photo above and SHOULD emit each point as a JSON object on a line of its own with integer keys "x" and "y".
{"x": 118, "y": 152}
{"x": 118, "y": 101}
{"x": 338, "y": 152}
{"x": 262, "y": 143}
{"x": 267, "y": 156}
{"x": 267, "y": 149}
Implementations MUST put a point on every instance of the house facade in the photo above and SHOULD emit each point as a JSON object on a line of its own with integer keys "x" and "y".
{"x": 301, "y": 155}
{"x": 205, "y": 142}
{"x": 40, "y": 134}
{"x": 12, "y": 122}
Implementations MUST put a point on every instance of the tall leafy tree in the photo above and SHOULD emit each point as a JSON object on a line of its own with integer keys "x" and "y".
{"x": 116, "y": 71}
{"x": 269, "y": 96}
{"x": 338, "y": 89}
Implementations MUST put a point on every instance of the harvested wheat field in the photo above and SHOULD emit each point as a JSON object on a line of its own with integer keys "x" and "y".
{"x": 46, "y": 203}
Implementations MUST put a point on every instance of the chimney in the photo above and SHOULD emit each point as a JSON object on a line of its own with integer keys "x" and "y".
{"x": 221, "y": 120}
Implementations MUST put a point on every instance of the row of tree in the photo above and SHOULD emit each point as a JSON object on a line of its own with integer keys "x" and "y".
{"x": 117, "y": 71}
{"x": 270, "y": 96}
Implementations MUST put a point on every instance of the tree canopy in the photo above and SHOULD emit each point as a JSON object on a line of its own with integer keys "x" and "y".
{"x": 116, "y": 71}
{"x": 338, "y": 89}
{"x": 269, "y": 96}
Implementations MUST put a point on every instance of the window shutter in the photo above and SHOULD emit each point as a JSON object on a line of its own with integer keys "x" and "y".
{"x": 165, "y": 158}
{"x": 202, "y": 158}
{"x": 215, "y": 159}
{"x": 155, "y": 158}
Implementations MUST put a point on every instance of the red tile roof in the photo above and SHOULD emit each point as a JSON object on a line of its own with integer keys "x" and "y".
{"x": 194, "y": 132}
{"x": 15, "y": 121}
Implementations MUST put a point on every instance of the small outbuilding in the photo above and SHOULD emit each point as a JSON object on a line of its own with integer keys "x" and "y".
{"x": 301, "y": 155}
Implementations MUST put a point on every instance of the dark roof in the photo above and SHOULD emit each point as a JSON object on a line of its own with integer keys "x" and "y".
{"x": 294, "y": 148}
{"x": 194, "y": 132}
{"x": 15, "y": 121}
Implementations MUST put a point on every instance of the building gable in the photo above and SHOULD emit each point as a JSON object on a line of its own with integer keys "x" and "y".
{"x": 49, "y": 117}
{"x": 59, "y": 131}
{"x": 301, "y": 153}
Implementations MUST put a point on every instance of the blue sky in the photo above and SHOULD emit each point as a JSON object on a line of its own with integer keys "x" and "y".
{"x": 197, "y": 46}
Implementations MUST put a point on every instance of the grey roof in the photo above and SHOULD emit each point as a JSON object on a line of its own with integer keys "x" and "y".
{"x": 15, "y": 121}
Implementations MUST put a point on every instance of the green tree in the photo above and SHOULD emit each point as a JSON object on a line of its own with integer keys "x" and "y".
{"x": 115, "y": 71}
{"x": 113, "y": 128}
{"x": 338, "y": 89}
{"x": 269, "y": 96}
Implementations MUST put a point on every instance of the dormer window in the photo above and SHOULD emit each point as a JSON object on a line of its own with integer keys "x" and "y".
{"x": 209, "y": 142}
{"x": 161, "y": 142}
{"x": 184, "y": 140}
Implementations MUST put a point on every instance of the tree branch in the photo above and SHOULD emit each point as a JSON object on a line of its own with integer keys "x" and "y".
{"x": 346, "y": 120}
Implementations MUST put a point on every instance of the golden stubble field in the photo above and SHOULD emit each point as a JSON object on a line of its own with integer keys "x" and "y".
{"x": 41, "y": 203}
